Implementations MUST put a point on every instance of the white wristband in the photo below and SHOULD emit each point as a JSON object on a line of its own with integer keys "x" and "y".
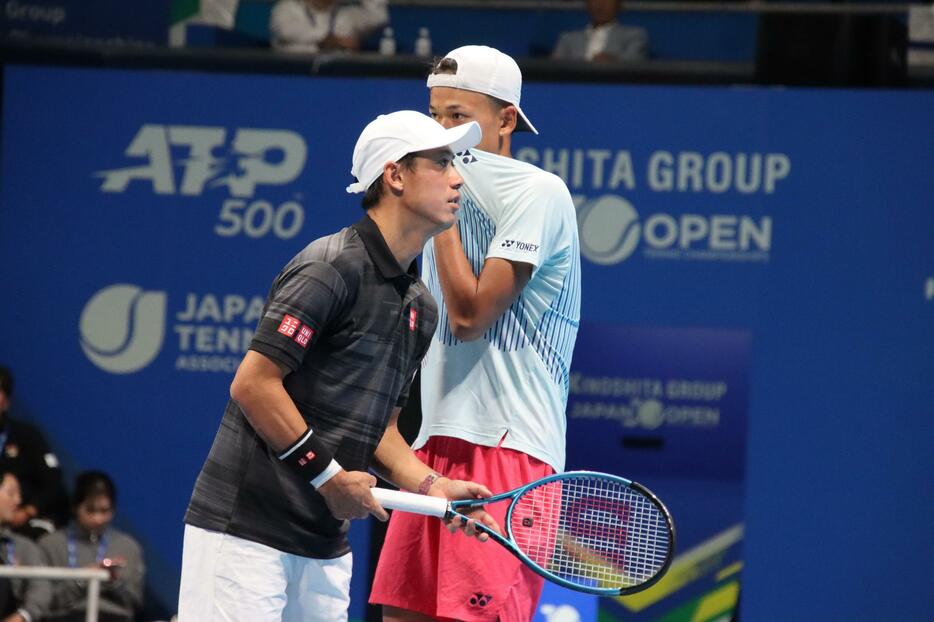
{"x": 332, "y": 469}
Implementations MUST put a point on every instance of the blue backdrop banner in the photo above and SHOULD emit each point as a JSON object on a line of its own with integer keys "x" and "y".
{"x": 757, "y": 304}
{"x": 100, "y": 21}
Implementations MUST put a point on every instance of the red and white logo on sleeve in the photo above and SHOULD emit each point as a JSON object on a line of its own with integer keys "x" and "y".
{"x": 292, "y": 327}
{"x": 304, "y": 336}
{"x": 413, "y": 315}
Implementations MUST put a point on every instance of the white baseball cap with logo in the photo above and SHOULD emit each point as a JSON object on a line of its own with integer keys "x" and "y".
{"x": 485, "y": 70}
{"x": 390, "y": 137}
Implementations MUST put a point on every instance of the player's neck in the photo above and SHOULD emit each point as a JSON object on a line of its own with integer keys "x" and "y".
{"x": 404, "y": 240}
{"x": 502, "y": 147}
{"x": 505, "y": 146}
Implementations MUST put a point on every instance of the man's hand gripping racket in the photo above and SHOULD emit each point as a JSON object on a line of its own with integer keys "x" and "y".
{"x": 587, "y": 531}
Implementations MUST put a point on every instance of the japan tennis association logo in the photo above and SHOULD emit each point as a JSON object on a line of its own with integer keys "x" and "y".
{"x": 122, "y": 328}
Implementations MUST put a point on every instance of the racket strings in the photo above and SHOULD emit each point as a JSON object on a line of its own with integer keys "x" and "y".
{"x": 592, "y": 531}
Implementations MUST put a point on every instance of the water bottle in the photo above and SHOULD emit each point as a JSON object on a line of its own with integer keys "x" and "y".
{"x": 423, "y": 43}
{"x": 387, "y": 45}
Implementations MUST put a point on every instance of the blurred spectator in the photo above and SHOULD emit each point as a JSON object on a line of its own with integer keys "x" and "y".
{"x": 25, "y": 453}
{"x": 320, "y": 25}
{"x": 605, "y": 39}
{"x": 220, "y": 13}
{"x": 27, "y": 599}
{"x": 90, "y": 541}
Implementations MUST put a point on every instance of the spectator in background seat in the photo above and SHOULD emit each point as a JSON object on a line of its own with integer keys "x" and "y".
{"x": 90, "y": 541}
{"x": 25, "y": 453}
{"x": 24, "y": 600}
{"x": 322, "y": 25}
{"x": 605, "y": 39}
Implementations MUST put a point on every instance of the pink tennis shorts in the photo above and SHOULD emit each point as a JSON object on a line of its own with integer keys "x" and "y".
{"x": 425, "y": 568}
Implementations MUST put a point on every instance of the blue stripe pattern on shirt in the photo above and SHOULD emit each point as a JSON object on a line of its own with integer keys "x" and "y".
{"x": 553, "y": 337}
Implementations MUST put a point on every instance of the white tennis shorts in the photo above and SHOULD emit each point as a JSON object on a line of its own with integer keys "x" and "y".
{"x": 229, "y": 579}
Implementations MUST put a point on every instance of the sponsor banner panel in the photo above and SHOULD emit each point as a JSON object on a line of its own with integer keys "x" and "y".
{"x": 659, "y": 401}
{"x": 101, "y": 21}
{"x": 668, "y": 407}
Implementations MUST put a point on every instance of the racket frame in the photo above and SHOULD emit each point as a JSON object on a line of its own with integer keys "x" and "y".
{"x": 455, "y": 507}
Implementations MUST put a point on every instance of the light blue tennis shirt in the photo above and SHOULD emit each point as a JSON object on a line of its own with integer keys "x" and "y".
{"x": 512, "y": 383}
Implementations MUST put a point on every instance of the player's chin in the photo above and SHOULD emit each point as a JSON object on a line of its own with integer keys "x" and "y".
{"x": 448, "y": 215}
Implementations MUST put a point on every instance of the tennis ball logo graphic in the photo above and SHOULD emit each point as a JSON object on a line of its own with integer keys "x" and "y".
{"x": 122, "y": 328}
{"x": 609, "y": 229}
{"x": 560, "y": 613}
{"x": 650, "y": 414}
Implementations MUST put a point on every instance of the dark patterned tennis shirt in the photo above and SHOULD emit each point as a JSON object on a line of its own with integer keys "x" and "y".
{"x": 352, "y": 326}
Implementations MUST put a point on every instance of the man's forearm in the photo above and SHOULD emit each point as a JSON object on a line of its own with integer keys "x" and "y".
{"x": 474, "y": 303}
{"x": 395, "y": 462}
{"x": 458, "y": 282}
{"x": 258, "y": 389}
{"x": 277, "y": 421}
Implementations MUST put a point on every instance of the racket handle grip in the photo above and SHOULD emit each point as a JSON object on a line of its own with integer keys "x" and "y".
{"x": 410, "y": 502}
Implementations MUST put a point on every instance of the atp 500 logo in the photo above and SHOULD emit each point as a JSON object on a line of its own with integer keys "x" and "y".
{"x": 123, "y": 329}
{"x": 253, "y": 158}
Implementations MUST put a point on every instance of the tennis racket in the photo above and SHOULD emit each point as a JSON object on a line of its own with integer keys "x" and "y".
{"x": 586, "y": 531}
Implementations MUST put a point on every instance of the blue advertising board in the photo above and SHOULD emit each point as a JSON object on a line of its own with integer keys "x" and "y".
{"x": 100, "y": 21}
{"x": 757, "y": 259}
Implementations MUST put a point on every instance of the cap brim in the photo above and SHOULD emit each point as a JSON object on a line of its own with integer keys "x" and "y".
{"x": 523, "y": 124}
{"x": 458, "y": 138}
{"x": 455, "y": 82}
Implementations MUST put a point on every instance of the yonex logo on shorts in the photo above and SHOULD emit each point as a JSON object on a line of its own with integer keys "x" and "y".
{"x": 480, "y": 600}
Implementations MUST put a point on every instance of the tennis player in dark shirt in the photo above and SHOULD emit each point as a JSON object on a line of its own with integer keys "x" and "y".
{"x": 315, "y": 402}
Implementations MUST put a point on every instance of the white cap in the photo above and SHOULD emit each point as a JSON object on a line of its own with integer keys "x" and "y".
{"x": 390, "y": 137}
{"x": 488, "y": 71}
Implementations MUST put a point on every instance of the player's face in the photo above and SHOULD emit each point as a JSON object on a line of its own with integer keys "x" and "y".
{"x": 431, "y": 188}
{"x": 95, "y": 513}
{"x": 451, "y": 107}
{"x": 9, "y": 498}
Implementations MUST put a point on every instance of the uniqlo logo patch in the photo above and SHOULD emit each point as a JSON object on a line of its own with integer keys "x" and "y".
{"x": 306, "y": 458}
{"x": 289, "y": 325}
{"x": 303, "y": 336}
{"x": 413, "y": 315}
